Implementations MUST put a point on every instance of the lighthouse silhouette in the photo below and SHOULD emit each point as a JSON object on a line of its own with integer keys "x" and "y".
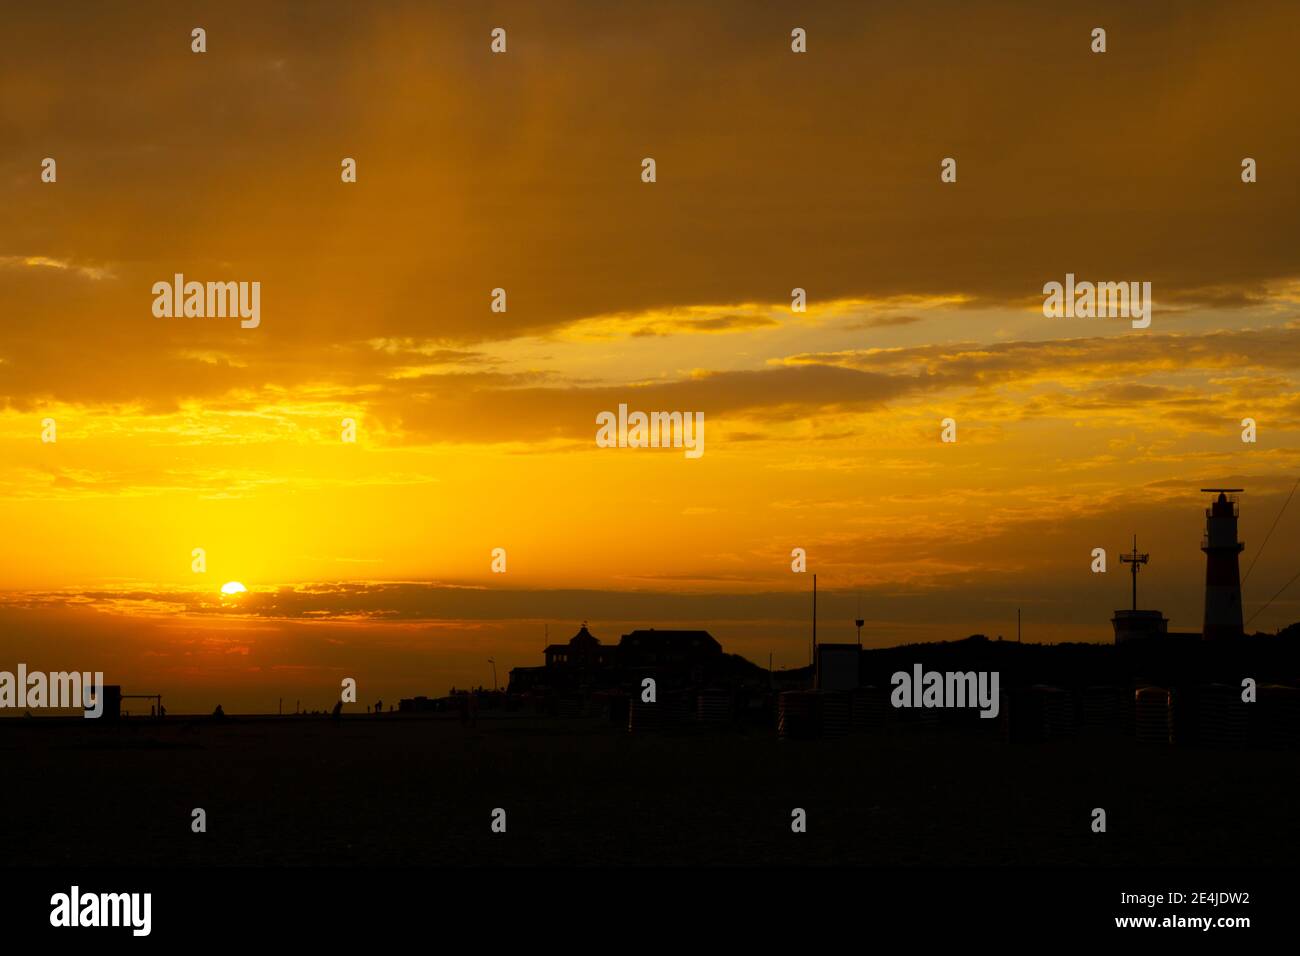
{"x": 1222, "y": 574}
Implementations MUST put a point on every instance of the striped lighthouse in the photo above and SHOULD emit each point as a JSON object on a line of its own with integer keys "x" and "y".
{"x": 1222, "y": 574}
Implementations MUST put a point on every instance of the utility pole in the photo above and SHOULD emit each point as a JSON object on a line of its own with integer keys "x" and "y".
{"x": 813, "y": 662}
{"x": 859, "y": 621}
{"x": 493, "y": 662}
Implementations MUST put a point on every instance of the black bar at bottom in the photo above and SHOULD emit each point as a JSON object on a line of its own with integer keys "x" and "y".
{"x": 544, "y": 906}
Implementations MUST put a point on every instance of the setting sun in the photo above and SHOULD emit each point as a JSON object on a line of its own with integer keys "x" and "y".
{"x": 233, "y": 587}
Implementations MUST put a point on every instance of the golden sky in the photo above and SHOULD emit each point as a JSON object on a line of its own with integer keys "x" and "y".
{"x": 476, "y": 428}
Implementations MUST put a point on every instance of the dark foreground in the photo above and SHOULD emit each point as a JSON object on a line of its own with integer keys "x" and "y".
{"x": 398, "y": 791}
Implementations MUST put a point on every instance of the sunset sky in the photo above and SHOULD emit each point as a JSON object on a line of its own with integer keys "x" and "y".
{"x": 476, "y": 429}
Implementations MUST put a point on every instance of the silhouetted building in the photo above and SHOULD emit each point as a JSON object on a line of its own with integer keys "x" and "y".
{"x": 526, "y": 680}
{"x": 682, "y": 657}
{"x": 838, "y": 666}
{"x": 1131, "y": 625}
{"x": 1222, "y": 573}
{"x": 1134, "y": 624}
{"x": 416, "y": 705}
{"x": 583, "y": 652}
{"x": 667, "y": 649}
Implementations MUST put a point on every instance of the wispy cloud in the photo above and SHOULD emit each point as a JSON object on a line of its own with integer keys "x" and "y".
{"x": 94, "y": 273}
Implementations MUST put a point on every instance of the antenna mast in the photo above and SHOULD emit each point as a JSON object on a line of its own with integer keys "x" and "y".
{"x": 1135, "y": 559}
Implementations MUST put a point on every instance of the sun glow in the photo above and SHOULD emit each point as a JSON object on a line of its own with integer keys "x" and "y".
{"x": 233, "y": 587}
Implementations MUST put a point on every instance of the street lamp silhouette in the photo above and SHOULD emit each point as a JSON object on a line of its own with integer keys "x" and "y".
{"x": 493, "y": 662}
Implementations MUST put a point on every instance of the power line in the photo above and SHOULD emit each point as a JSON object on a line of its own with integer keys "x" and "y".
{"x": 1272, "y": 599}
{"x": 1270, "y": 531}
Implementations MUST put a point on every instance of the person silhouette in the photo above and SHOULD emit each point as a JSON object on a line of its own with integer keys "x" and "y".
{"x": 218, "y": 713}
{"x": 379, "y": 707}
